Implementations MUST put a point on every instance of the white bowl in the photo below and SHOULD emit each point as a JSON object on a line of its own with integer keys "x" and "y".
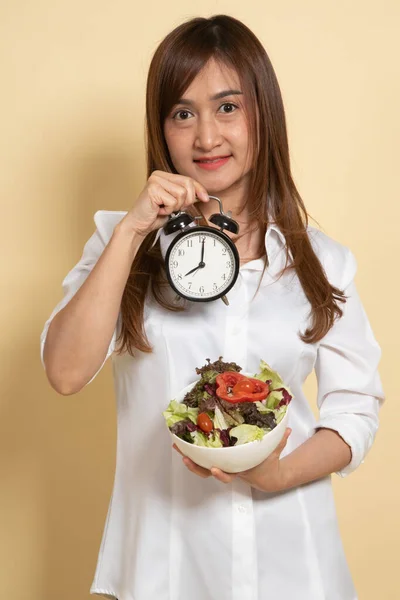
{"x": 232, "y": 459}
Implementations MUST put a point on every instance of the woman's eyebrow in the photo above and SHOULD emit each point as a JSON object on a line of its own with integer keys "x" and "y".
{"x": 215, "y": 97}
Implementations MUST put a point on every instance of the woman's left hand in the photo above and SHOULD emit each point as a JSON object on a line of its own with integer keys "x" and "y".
{"x": 269, "y": 476}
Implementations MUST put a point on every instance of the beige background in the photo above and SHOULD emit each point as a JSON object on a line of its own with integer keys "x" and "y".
{"x": 72, "y": 106}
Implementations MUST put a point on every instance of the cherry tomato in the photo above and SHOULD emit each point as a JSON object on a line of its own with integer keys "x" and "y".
{"x": 244, "y": 386}
{"x": 204, "y": 422}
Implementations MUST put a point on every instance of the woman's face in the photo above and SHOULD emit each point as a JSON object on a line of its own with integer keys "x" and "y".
{"x": 202, "y": 126}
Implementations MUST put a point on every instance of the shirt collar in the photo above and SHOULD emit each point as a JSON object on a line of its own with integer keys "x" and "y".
{"x": 274, "y": 227}
{"x": 275, "y": 243}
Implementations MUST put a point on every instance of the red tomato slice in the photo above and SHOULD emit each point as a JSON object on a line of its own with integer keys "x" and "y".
{"x": 234, "y": 387}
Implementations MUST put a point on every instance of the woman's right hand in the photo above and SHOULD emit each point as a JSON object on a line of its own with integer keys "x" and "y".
{"x": 163, "y": 194}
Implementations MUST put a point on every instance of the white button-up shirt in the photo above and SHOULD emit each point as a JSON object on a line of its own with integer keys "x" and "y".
{"x": 170, "y": 535}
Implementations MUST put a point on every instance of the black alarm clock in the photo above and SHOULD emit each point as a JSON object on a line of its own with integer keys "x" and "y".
{"x": 202, "y": 262}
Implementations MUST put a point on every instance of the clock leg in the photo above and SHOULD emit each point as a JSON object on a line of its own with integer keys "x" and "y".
{"x": 225, "y": 299}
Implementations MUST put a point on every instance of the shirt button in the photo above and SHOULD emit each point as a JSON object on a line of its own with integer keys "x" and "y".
{"x": 241, "y": 508}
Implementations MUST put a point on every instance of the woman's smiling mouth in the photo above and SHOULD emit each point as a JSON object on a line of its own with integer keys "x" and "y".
{"x": 212, "y": 164}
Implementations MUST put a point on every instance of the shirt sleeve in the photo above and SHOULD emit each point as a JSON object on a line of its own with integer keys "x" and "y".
{"x": 350, "y": 392}
{"x": 71, "y": 284}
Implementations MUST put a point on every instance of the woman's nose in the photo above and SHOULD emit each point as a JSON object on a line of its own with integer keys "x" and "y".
{"x": 208, "y": 134}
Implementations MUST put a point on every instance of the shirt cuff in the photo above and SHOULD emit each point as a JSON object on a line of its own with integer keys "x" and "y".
{"x": 358, "y": 431}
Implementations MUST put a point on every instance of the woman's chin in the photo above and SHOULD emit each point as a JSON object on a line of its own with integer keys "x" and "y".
{"x": 221, "y": 189}
{"x": 218, "y": 186}
{"x": 215, "y": 183}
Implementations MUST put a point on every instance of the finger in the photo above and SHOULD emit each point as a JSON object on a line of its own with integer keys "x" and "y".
{"x": 177, "y": 449}
{"x": 222, "y": 476}
{"x": 283, "y": 441}
{"x": 196, "y": 469}
{"x": 200, "y": 190}
{"x": 159, "y": 196}
{"x": 169, "y": 204}
{"x": 191, "y": 195}
{"x": 176, "y": 189}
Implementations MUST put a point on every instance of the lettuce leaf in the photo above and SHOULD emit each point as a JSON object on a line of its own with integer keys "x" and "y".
{"x": 263, "y": 409}
{"x": 268, "y": 374}
{"x": 233, "y": 417}
{"x": 273, "y": 398}
{"x": 280, "y": 413}
{"x": 276, "y": 384}
{"x": 177, "y": 411}
{"x": 200, "y": 439}
{"x": 246, "y": 433}
{"x": 214, "y": 440}
{"x": 219, "y": 419}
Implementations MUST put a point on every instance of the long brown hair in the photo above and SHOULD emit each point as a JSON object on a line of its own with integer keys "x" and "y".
{"x": 176, "y": 62}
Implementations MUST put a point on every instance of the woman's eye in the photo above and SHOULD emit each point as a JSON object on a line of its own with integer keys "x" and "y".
{"x": 181, "y": 112}
{"x": 230, "y": 105}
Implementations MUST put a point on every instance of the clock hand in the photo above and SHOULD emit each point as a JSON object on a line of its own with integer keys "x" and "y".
{"x": 192, "y": 271}
{"x": 202, "y": 253}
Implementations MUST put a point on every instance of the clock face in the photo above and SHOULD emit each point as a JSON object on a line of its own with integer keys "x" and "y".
{"x": 202, "y": 264}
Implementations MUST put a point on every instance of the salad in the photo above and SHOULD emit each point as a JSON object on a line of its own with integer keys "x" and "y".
{"x": 226, "y": 408}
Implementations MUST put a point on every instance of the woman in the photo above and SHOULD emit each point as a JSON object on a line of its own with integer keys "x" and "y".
{"x": 270, "y": 532}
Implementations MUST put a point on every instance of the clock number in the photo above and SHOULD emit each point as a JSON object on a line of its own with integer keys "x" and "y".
{"x": 223, "y": 251}
{"x": 215, "y": 287}
{"x": 215, "y": 242}
{"x": 224, "y": 276}
{"x": 190, "y": 285}
{"x": 201, "y": 289}
{"x": 228, "y": 264}
{"x": 189, "y": 243}
{"x": 202, "y": 238}
{"x": 181, "y": 253}
{"x": 175, "y": 264}
{"x": 179, "y": 276}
